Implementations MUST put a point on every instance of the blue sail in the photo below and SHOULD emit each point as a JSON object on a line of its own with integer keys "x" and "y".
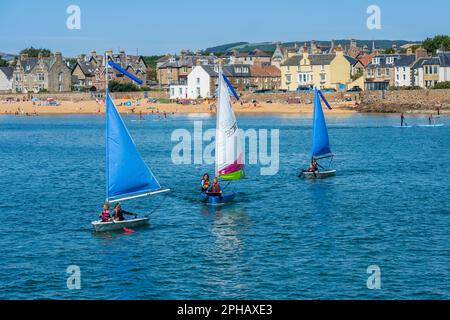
{"x": 321, "y": 143}
{"x": 126, "y": 172}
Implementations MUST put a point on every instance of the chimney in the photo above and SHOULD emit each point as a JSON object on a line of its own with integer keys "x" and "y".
{"x": 353, "y": 43}
{"x": 421, "y": 53}
{"x": 109, "y": 53}
{"x": 122, "y": 51}
{"x": 409, "y": 51}
{"x": 24, "y": 56}
{"x": 58, "y": 56}
{"x": 94, "y": 53}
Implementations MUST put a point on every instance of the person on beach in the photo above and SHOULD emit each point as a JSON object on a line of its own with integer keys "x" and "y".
{"x": 205, "y": 183}
{"x": 106, "y": 213}
{"x": 215, "y": 186}
{"x": 119, "y": 212}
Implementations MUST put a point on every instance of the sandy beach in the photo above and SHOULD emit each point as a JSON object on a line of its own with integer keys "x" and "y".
{"x": 93, "y": 107}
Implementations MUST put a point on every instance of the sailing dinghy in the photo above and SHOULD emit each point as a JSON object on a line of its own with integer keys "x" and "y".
{"x": 229, "y": 155}
{"x": 127, "y": 175}
{"x": 321, "y": 143}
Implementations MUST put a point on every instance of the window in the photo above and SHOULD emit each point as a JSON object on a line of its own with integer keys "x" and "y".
{"x": 198, "y": 92}
{"x": 60, "y": 77}
{"x": 435, "y": 70}
{"x": 198, "y": 80}
{"x": 379, "y": 72}
{"x": 322, "y": 67}
{"x": 398, "y": 77}
{"x": 288, "y": 78}
{"x": 60, "y": 87}
{"x": 40, "y": 77}
{"x": 404, "y": 77}
{"x": 18, "y": 77}
{"x": 388, "y": 72}
{"x": 180, "y": 91}
{"x": 323, "y": 77}
{"x": 172, "y": 92}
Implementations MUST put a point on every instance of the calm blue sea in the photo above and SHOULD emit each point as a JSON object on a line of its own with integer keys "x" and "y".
{"x": 283, "y": 238}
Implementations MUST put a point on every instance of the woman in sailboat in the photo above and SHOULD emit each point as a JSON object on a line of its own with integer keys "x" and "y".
{"x": 119, "y": 212}
{"x": 205, "y": 183}
{"x": 106, "y": 213}
{"x": 215, "y": 186}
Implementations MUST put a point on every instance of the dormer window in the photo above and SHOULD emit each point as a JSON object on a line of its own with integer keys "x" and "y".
{"x": 376, "y": 60}
{"x": 390, "y": 60}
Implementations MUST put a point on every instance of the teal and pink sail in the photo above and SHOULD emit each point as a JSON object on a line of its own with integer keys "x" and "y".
{"x": 229, "y": 158}
{"x": 321, "y": 142}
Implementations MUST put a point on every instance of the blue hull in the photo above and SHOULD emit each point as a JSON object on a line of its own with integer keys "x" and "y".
{"x": 218, "y": 200}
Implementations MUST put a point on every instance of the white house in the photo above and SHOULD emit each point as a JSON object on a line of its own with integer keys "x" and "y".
{"x": 201, "y": 82}
{"x": 178, "y": 91}
{"x": 444, "y": 69}
{"x": 403, "y": 76}
{"x": 6, "y": 79}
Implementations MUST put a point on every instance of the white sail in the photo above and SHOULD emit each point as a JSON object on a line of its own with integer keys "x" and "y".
{"x": 229, "y": 155}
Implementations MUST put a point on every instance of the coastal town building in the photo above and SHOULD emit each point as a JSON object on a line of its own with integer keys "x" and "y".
{"x": 265, "y": 77}
{"x": 255, "y": 56}
{"x": 380, "y": 72}
{"x": 331, "y": 70}
{"x": 50, "y": 74}
{"x": 203, "y": 79}
{"x": 175, "y": 69}
{"x": 6, "y": 77}
{"x": 88, "y": 74}
{"x": 403, "y": 75}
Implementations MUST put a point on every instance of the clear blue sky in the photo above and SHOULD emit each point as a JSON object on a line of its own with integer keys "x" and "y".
{"x": 156, "y": 26}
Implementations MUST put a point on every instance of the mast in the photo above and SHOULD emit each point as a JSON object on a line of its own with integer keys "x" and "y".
{"x": 216, "y": 170}
{"x": 106, "y": 127}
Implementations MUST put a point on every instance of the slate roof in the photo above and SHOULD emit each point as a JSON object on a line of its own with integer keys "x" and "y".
{"x": 8, "y": 71}
{"x": 405, "y": 61}
{"x": 87, "y": 67}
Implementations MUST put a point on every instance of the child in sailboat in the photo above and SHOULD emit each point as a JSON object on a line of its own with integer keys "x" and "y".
{"x": 215, "y": 186}
{"x": 105, "y": 215}
{"x": 119, "y": 212}
{"x": 205, "y": 183}
{"x": 314, "y": 166}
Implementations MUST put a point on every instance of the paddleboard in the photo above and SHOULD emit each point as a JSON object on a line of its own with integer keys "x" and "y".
{"x": 402, "y": 126}
{"x": 432, "y": 125}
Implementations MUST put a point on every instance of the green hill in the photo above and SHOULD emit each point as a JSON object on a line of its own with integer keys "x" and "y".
{"x": 270, "y": 46}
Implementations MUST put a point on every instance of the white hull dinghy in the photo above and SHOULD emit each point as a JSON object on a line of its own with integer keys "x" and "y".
{"x": 318, "y": 174}
{"x": 100, "y": 226}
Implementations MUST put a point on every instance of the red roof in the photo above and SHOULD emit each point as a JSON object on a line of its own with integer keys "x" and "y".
{"x": 264, "y": 71}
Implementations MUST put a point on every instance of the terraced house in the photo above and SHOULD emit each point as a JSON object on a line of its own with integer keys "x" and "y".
{"x": 89, "y": 72}
{"x": 432, "y": 70}
{"x": 175, "y": 69}
{"x": 380, "y": 73}
{"x": 331, "y": 70}
{"x": 42, "y": 73}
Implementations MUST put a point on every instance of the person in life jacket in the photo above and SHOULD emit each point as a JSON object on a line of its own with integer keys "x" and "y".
{"x": 205, "y": 183}
{"x": 105, "y": 215}
{"x": 314, "y": 166}
{"x": 215, "y": 186}
{"x": 118, "y": 213}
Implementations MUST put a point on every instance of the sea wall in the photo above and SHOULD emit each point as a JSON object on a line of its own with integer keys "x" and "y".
{"x": 405, "y": 101}
{"x": 82, "y": 96}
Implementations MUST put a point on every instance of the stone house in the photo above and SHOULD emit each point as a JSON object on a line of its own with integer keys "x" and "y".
{"x": 265, "y": 77}
{"x": 175, "y": 69}
{"x": 41, "y": 73}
